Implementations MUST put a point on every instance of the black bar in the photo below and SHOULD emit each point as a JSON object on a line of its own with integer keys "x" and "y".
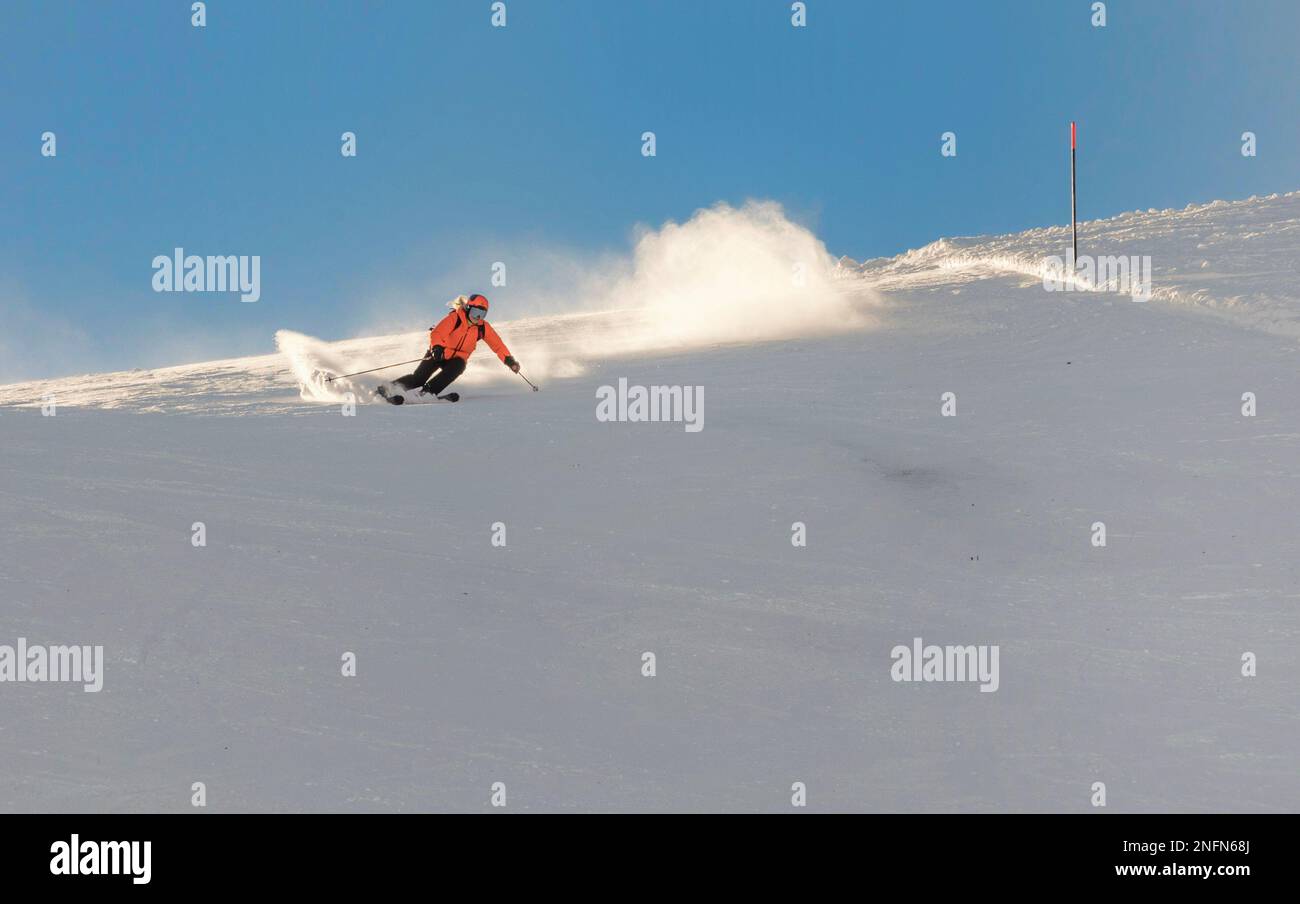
{"x": 332, "y": 853}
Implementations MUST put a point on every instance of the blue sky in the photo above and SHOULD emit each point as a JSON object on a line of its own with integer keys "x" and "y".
{"x": 476, "y": 142}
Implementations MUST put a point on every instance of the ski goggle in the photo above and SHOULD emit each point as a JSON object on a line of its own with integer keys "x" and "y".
{"x": 475, "y": 314}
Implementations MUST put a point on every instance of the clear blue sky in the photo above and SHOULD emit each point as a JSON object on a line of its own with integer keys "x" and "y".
{"x": 226, "y": 139}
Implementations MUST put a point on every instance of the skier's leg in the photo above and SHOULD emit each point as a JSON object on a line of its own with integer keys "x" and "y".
{"x": 422, "y": 373}
{"x": 451, "y": 369}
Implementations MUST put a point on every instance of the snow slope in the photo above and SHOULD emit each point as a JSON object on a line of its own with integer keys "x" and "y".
{"x": 522, "y": 664}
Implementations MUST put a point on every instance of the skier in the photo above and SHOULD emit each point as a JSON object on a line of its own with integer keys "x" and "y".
{"x": 451, "y": 343}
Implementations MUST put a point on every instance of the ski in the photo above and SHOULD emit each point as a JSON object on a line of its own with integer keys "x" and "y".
{"x": 393, "y": 399}
{"x": 398, "y": 399}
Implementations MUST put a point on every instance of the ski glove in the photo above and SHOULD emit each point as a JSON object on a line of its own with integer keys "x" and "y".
{"x": 434, "y": 353}
{"x": 512, "y": 363}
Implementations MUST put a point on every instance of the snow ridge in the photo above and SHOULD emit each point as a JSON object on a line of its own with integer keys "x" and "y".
{"x": 1235, "y": 260}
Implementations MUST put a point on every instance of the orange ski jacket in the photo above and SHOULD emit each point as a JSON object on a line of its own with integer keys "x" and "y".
{"x": 458, "y": 336}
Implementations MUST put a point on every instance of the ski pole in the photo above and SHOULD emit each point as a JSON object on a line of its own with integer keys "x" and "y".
{"x": 529, "y": 382}
{"x": 372, "y": 370}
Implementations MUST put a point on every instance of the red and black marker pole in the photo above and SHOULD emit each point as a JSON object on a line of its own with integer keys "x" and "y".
{"x": 1074, "y": 219}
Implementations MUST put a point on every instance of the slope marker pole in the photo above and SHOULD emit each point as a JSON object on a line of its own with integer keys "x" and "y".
{"x": 1074, "y": 211}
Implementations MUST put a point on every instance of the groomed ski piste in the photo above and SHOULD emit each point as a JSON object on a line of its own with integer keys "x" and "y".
{"x": 332, "y": 530}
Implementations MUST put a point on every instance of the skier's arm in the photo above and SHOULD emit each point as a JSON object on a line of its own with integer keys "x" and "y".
{"x": 494, "y": 342}
{"x": 440, "y": 334}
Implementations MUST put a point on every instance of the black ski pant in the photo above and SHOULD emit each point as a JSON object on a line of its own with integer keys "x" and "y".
{"x": 448, "y": 370}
